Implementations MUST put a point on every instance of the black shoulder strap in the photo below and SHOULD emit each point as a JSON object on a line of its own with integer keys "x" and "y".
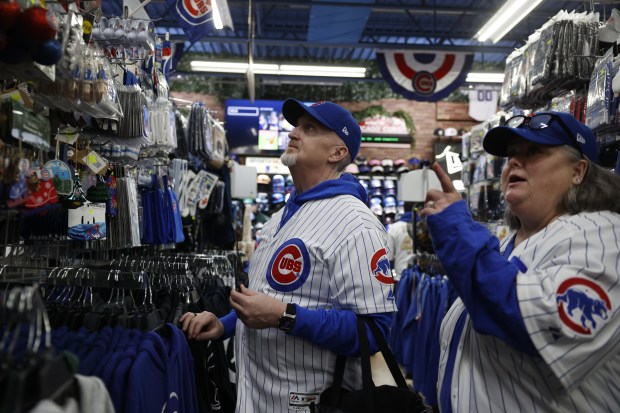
{"x": 390, "y": 360}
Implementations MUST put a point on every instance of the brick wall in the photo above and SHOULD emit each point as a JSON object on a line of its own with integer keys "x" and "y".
{"x": 427, "y": 117}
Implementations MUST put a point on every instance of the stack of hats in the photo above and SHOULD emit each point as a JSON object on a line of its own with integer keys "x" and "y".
{"x": 278, "y": 189}
{"x": 362, "y": 165}
{"x": 388, "y": 166}
{"x": 277, "y": 198}
{"x": 389, "y": 205}
{"x": 376, "y": 187}
{"x": 401, "y": 166}
{"x": 289, "y": 184}
{"x": 389, "y": 187}
{"x": 365, "y": 183}
{"x": 451, "y": 132}
{"x": 277, "y": 184}
{"x": 263, "y": 182}
{"x": 376, "y": 207}
{"x": 262, "y": 200}
{"x": 415, "y": 163}
{"x": 375, "y": 166}
{"x": 352, "y": 168}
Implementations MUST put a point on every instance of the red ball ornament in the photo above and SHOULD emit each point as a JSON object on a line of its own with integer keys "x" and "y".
{"x": 9, "y": 13}
{"x": 38, "y": 24}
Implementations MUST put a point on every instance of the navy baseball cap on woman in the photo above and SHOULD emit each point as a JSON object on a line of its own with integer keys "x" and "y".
{"x": 330, "y": 115}
{"x": 547, "y": 128}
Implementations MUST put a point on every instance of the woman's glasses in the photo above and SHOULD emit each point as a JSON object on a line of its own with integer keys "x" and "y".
{"x": 536, "y": 122}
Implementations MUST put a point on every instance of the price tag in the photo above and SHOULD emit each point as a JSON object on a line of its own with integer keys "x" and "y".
{"x": 68, "y": 136}
{"x": 94, "y": 162}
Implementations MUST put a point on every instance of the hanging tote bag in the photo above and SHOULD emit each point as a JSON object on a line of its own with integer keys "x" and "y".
{"x": 371, "y": 398}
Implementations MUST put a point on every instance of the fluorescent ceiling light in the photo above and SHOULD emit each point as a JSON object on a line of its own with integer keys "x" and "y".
{"x": 217, "y": 19}
{"x": 507, "y": 17}
{"x": 481, "y": 77}
{"x": 275, "y": 69}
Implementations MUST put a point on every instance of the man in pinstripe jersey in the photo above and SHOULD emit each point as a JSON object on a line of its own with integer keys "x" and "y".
{"x": 536, "y": 326}
{"x": 321, "y": 260}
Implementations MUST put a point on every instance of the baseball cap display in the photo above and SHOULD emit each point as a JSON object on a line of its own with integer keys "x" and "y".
{"x": 263, "y": 179}
{"x": 375, "y": 206}
{"x": 374, "y": 162}
{"x": 330, "y": 115}
{"x": 364, "y": 183}
{"x": 399, "y": 162}
{"x": 352, "y": 168}
{"x": 451, "y": 132}
{"x": 401, "y": 169}
{"x": 262, "y": 201}
{"x": 388, "y": 165}
{"x": 377, "y": 169}
{"x": 360, "y": 160}
{"x": 415, "y": 162}
{"x": 375, "y": 183}
{"x": 438, "y": 132}
{"x": 376, "y": 192}
{"x": 277, "y": 183}
{"x": 547, "y": 128}
{"x": 389, "y": 205}
{"x": 364, "y": 169}
{"x": 290, "y": 185}
{"x": 277, "y": 198}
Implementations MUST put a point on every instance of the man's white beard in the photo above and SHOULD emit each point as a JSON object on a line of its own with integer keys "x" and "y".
{"x": 288, "y": 159}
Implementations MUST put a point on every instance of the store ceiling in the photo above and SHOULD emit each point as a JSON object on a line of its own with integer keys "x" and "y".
{"x": 334, "y": 31}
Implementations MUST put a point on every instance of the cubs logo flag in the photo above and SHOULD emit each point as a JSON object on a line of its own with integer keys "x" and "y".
{"x": 424, "y": 76}
{"x": 196, "y": 16}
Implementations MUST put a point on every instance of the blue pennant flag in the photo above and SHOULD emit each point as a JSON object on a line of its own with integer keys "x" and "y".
{"x": 194, "y": 16}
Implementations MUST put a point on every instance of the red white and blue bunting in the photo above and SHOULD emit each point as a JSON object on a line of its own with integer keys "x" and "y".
{"x": 424, "y": 76}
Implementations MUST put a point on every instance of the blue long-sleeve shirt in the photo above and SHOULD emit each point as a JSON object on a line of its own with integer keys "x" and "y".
{"x": 335, "y": 330}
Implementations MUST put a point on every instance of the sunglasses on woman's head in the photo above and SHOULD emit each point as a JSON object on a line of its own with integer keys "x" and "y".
{"x": 538, "y": 122}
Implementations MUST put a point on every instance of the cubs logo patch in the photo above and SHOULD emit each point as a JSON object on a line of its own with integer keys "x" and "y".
{"x": 380, "y": 267}
{"x": 581, "y": 303}
{"x": 289, "y": 267}
{"x": 194, "y": 12}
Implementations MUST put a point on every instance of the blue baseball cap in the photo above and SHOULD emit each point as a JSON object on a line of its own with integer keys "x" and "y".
{"x": 330, "y": 115}
{"x": 561, "y": 129}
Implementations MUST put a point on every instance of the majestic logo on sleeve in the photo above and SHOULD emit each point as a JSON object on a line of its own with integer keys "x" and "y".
{"x": 380, "y": 267}
{"x": 581, "y": 303}
{"x": 289, "y": 267}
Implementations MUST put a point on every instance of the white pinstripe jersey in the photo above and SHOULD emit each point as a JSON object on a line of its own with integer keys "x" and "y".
{"x": 569, "y": 299}
{"x": 321, "y": 258}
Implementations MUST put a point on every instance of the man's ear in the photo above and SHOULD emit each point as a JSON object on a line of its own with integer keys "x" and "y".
{"x": 338, "y": 153}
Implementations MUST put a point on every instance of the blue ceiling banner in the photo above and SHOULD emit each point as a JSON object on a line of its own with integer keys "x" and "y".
{"x": 424, "y": 76}
{"x": 331, "y": 23}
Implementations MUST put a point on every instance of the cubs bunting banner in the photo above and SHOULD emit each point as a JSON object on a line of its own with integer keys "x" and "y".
{"x": 196, "y": 17}
{"x": 424, "y": 76}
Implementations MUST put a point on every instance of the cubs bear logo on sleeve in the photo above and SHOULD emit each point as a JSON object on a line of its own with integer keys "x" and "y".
{"x": 581, "y": 303}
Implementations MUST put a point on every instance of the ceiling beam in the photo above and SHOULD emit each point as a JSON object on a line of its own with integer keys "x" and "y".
{"x": 389, "y": 46}
{"x": 384, "y": 8}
